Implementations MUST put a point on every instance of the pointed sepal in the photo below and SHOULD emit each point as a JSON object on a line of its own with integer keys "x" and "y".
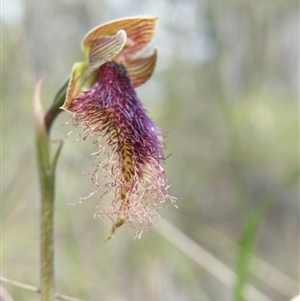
{"x": 141, "y": 69}
{"x": 78, "y": 81}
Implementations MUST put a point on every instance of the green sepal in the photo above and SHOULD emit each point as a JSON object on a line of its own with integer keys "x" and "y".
{"x": 79, "y": 82}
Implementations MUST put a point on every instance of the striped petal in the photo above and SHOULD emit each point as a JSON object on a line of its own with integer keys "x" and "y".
{"x": 139, "y": 30}
{"x": 104, "y": 49}
{"x": 141, "y": 69}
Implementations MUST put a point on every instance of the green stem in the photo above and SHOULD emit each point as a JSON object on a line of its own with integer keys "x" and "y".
{"x": 47, "y": 252}
{"x": 47, "y": 180}
{"x": 47, "y": 209}
{"x": 46, "y": 168}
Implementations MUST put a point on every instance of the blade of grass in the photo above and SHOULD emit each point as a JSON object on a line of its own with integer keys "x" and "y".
{"x": 279, "y": 282}
{"x": 248, "y": 237}
{"x": 205, "y": 259}
{"x": 34, "y": 289}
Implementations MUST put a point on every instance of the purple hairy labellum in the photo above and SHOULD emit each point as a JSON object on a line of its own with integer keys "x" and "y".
{"x": 129, "y": 156}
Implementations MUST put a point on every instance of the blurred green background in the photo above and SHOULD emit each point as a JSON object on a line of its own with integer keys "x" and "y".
{"x": 225, "y": 92}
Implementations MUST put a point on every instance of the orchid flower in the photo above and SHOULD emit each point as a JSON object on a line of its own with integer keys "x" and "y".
{"x": 104, "y": 105}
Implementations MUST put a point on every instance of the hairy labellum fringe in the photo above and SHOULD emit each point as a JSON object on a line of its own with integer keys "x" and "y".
{"x": 132, "y": 171}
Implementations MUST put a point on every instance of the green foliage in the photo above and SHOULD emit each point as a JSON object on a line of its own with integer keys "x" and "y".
{"x": 252, "y": 226}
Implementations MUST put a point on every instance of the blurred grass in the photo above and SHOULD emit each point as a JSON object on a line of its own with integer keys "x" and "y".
{"x": 248, "y": 238}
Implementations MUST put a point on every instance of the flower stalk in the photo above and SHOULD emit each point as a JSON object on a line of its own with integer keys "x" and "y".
{"x": 46, "y": 168}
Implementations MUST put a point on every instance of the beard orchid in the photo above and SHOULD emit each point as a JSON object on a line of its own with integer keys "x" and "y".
{"x": 104, "y": 105}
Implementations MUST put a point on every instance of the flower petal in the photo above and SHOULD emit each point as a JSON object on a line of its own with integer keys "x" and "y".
{"x": 104, "y": 49}
{"x": 141, "y": 69}
{"x": 76, "y": 84}
{"x": 140, "y": 31}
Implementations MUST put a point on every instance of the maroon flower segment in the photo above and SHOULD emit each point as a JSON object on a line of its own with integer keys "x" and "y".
{"x": 111, "y": 111}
